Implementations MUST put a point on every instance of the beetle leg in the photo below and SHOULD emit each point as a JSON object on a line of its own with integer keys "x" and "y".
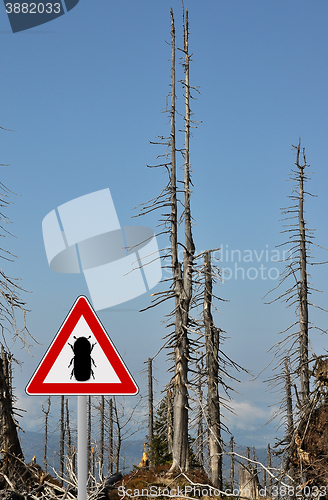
{"x": 94, "y": 364}
{"x": 71, "y": 346}
{"x": 93, "y": 346}
{"x": 72, "y": 373}
{"x": 70, "y": 362}
{"x": 92, "y": 373}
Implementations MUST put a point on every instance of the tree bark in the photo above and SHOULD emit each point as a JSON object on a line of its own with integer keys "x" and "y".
{"x": 232, "y": 465}
{"x": 290, "y": 421}
{"x": 9, "y": 441}
{"x": 68, "y": 430}
{"x": 102, "y": 436}
{"x": 169, "y": 421}
{"x": 269, "y": 467}
{"x": 303, "y": 289}
{"x": 89, "y": 434}
{"x": 184, "y": 293}
{"x": 289, "y": 401}
{"x": 200, "y": 428}
{"x": 119, "y": 439}
{"x": 62, "y": 437}
{"x": 180, "y": 420}
{"x": 212, "y": 369}
{"x": 150, "y": 411}
{"x": 46, "y": 412}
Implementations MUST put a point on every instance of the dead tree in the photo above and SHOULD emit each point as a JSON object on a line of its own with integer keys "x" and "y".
{"x": 248, "y": 482}
{"x": 13, "y": 326}
{"x": 46, "y": 410}
{"x": 89, "y": 434}
{"x": 110, "y": 438}
{"x": 182, "y": 277}
{"x": 69, "y": 435}
{"x": 182, "y": 342}
{"x": 269, "y": 468}
{"x": 12, "y": 306}
{"x": 62, "y": 437}
{"x": 119, "y": 437}
{"x": 303, "y": 287}
{"x": 295, "y": 345}
{"x": 73, "y": 459}
{"x": 290, "y": 423}
{"x": 232, "y": 465}
{"x": 200, "y": 426}
{"x": 169, "y": 419}
{"x": 290, "y": 420}
{"x": 10, "y": 445}
{"x": 93, "y": 459}
{"x": 150, "y": 410}
{"x": 181, "y": 289}
{"x": 218, "y": 364}
{"x": 102, "y": 435}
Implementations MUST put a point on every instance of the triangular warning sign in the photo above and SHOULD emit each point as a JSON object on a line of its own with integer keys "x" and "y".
{"x": 81, "y": 359}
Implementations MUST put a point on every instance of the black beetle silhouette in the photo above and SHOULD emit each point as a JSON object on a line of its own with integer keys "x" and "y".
{"x": 82, "y": 367}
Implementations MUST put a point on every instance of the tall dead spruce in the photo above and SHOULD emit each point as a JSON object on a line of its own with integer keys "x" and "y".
{"x": 14, "y": 328}
{"x": 181, "y": 289}
{"x": 292, "y": 353}
{"x": 188, "y": 288}
{"x": 212, "y": 339}
{"x": 217, "y": 375}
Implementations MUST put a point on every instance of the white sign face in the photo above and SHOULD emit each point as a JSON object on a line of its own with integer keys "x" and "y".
{"x": 63, "y": 368}
{"x": 82, "y": 359}
{"x": 119, "y": 264}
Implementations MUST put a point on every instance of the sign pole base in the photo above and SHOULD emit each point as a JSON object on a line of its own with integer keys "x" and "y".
{"x": 82, "y": 465}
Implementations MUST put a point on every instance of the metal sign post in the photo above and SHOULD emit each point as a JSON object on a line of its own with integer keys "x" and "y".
{"x": 82, "y": 462}
{"x": 76, "y": 365}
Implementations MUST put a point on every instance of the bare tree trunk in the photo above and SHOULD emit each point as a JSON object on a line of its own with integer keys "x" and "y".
{"x": 254, "y": 466}
{"x": 110, "y": 444}
{"x": 180, "y": 436}
{"x": 200, "y": 427}
{"x": 10, "y": 445}
{"x": 150, "y": 412}
{"x": 102, "y": 436}
{"x": 269, "y": 467}
{"x": 46, "y": 411}
{"x": 68, "y": 429}
{"x": 119, "y": 438}
{"x": 62, "y": 437}
{"x": 232, "y": 465}
{"x": 89, "y": 433}
{"x": 212, "y": 369}
{"x": 248, "y": 453}
{"x": 92, "y": 466}
{"x": 264, "y": 479}
{"x": 180, "y": 420}
{"x": 290, "y": 423}
{"x": 169, "y": 421}
{"x": 74, "y": 459}
{"x": 303, "y": 290}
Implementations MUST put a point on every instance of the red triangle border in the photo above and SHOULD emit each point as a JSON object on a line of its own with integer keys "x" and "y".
{"x": 37, "y": 386}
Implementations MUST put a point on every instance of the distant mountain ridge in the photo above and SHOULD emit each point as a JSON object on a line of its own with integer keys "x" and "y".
{"x": 33, "y": 445}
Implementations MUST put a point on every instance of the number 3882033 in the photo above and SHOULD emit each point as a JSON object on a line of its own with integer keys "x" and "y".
{"x": 33, "y": 8}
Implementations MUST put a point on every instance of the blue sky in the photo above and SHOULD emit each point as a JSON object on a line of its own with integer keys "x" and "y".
{"x": 84, "y": 95}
